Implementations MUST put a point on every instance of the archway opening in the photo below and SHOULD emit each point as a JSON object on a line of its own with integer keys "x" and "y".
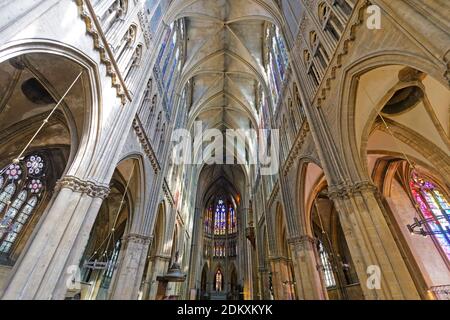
{"x": 30, "y": 86}
{"x": 105, "y": 246}
{"x": 333, "y": 254}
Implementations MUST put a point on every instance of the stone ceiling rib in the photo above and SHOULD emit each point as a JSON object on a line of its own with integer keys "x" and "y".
{"x": 225, "y": 40}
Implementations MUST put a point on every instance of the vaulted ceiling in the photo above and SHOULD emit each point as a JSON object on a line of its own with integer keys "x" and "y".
{"x": 224, "y": 58}
{"x": 224, "y": 63}
{"x": 222, "y": 181}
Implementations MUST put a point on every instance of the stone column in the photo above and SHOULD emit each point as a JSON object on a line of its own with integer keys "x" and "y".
{"x": 195, "y": 268}
{"x": 307, "y": 276}
{"x": 46, "y": 267}
{"x": 147, "y": 281}
{"x": 128, "y": 277}
{"x": 371, "y": 243}
{"x": 277, "y": 278}
{"x": 264, "y": 290}
{"x": 249, "y": 292}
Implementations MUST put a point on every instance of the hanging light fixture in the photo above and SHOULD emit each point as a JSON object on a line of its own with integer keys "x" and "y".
{"x": 421, "y": 226}
{"x": 174, "y": 274}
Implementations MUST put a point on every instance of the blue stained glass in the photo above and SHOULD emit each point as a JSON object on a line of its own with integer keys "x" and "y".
{"x": 163, "y": 47}
{"x": 281, "y": 46}
{"x": 172, "y": 71}
{"x": 170, "y": 52}
{"x": 219, "y": 218}
{"x": 155, "y": 19}
{"x": 274, "y": 83}
{"x": 166, "y": 62}
{"x": 425, "y": 195}
{"x": 276, "y": 73}
{"x": 277, "y": 63}
{"x": 173, "y": 91}
{"x": 280, "y": 63}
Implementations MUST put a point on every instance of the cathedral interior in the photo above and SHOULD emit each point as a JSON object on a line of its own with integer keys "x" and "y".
{"x": 351, "y": 98}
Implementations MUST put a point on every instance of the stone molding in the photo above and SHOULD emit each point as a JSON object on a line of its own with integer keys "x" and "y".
{"x": 274, "y": 194}
{"x": 355, "y": 21}
{"x": 167, "y": 193}
{"x": 106, "y": 58}
{"x": 148, "y": 150}
{"x": 295, "y": 150}
{"x": 90, "y": 188}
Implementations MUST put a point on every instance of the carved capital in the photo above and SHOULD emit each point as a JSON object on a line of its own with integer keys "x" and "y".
{"x": 345, "y": 190}
{"x": 138, "y": 238}
{"x": 304, "y": 241}
{"x": 90, "y": 188}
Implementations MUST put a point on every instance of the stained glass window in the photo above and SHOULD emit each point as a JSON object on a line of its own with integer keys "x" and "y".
{"x": 281, "y": 46}
{"x": 326, "y": 266}
{"x": 163, "y": 46}
{"x": 277, "y": 62}
{"x": 219, "y": 281}
{"x": 220, "y": 219}
{"x": 21, "y": 187}
{"x": 232, "y": 225}
{"x": 169, "y": 53}
{"x": 111, "y": 266}
{"x": 156, "y": 15}
{"x": 208, "y": 220}
{"x": 222, "y": 222}
{"x": 6, "y": 195}
{"x": 433, "y": 205}
{"x": 172, "y": 71}
{"x": 219, "y": 249}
